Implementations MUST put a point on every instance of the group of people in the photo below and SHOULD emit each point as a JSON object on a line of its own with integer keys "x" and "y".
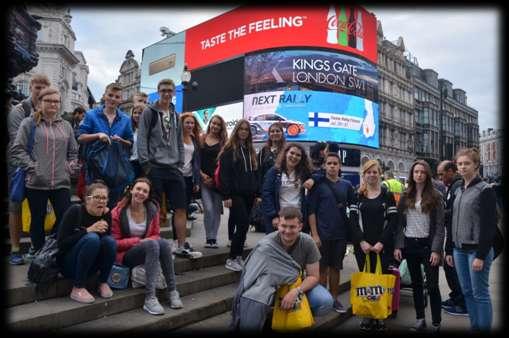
{"x": 172, "y": 159}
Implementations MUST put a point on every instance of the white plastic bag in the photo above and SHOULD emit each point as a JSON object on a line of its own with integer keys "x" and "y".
{"x": 138, "y": 278}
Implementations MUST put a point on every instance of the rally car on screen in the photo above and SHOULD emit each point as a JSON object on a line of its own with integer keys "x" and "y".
{"x": 292, "y": 128}
{"x": 258, "y": 133}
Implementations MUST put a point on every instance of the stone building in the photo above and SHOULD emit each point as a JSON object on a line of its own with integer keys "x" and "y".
{"x": 397, "y": 125}
{"x": 458, "y": 123}
{"x": 129, "y": 79}
{"x": 491, "y": 143}
{"x": 411, "y": 102}
{"x": 66, "y": 68}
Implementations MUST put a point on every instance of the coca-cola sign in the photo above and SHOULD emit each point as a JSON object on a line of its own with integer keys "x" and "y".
{"x": 248, "y": 29}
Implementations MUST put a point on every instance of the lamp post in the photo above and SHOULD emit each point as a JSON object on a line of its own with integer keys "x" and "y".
{"x": 185, "y": 79}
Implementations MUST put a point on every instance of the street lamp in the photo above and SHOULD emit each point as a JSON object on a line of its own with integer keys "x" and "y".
{"x": 185, "y": 78}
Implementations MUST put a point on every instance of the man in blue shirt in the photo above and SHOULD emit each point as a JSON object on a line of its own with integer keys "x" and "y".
{"x": 107, "y": 123}
{"x": 328, "y": 221}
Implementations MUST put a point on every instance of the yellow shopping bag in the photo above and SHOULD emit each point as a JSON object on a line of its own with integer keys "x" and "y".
{"x": 295, "y": 319}
{"x": 26, "y": 217}
{"x": 371, "y": 293}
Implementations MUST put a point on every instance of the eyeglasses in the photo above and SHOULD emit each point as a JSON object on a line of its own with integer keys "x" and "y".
{"x": 51, "y": 101}
{"x": 99, "y": 198}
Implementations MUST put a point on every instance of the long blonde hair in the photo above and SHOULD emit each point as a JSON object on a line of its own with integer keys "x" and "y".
{"x": 363, "y": 187}
{"x": 38, "y": 109}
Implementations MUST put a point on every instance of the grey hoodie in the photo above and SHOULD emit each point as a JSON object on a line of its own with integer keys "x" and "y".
{"x": 54, "y": 147}
{"x": 20, "y": 111}
{"x": 158, "y": 151}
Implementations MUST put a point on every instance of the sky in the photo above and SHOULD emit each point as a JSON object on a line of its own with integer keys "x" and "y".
{"x": 461, "y": 44}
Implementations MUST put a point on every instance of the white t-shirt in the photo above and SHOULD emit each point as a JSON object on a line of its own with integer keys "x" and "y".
{"x": 417, "y": 222}
{"x": 187, "y": 170}
{"x": 134, "y": 155}
{"x": 137, "y": 229}
{"x": 289, "y": 193}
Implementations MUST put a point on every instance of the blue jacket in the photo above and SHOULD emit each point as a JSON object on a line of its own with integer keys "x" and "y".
{"x": 270, "y": 195}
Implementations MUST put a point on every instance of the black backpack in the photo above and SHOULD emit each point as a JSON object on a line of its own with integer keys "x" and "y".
{"x": 43, "y": 269}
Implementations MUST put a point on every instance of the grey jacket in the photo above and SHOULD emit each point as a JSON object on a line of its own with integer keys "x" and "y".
{"x": 436, "y": 227}
{"x": 54, "y": 147}
{"x": 158, "y": 151}
{"x": 266, "y": 268}
{"x": 474, "y": 219}
{"x": 23, "y": 109}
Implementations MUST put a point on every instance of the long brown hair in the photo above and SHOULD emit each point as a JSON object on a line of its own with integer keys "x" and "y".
{"x": 363, "y": 187}
{"x": 234, "y": 143}
{"x": 196, "y": 130}
{"x": 38, "y": 109}
{"x": 430, "y": 196}
{"x": 223, "y": 135}
{"x": 126, "y": 198}
{"x": 282, "y": 144}
{"x": 302, "y": 170}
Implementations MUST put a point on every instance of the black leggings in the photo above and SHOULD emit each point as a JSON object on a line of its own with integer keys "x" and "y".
{"x": 239, "y": 214}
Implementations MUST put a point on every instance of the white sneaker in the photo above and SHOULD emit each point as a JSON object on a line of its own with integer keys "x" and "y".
{"x": 187, "y": 251}
{"x": 152, "y": 306}
{"x": 229, "y": 243}
{"x": 175, "y": 302}
{"x": 240, "y": 261}
{"x": 233, "y": 265}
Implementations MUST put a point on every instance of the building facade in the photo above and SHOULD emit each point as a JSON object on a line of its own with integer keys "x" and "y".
{"x": 66, "y": 68}
{"x": 421, "y": 116}
{"x": 491, "y": 143}
{"x": 397, "y": 123}
{"x": 129, "y": 79}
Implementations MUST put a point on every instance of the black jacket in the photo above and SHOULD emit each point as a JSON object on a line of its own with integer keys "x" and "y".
{"x": 238, "y": 177}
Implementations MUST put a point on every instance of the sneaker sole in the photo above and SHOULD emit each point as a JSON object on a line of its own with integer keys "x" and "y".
{"x": 82, "y": 301}
{"x": 176, "y": 307}
{"x": 232, "y": 269}
{"x": 152, "y": 312}
{"x": 456, "y": 313}
{"x": 340, "y": 311}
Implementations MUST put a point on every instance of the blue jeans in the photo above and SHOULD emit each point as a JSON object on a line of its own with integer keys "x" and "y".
{"x": 320, "y": 300}
{"x": 211, "y": 211}
{"x": 475, "y": 286}
{"x": 90, "y": 254}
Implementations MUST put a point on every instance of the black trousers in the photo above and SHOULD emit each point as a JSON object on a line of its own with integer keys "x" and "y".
{"x": 239, "y": 214}
{"x": 417, "y": 251}
{"x": 454, "y": 284}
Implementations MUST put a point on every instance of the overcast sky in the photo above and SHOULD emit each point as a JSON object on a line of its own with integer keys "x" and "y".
{"x": 461, "y": 44}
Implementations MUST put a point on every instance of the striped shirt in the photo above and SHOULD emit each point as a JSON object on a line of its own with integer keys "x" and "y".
{"x": 417, "y": 222}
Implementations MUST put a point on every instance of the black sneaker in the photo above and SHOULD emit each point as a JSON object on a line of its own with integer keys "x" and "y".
{"x": 455, "y": 310}
{"x": 15, "y": 258}
{"x": 186, "y": 251}
{"x": 366, "y": 324}
{"x": 379, "y": 326}
{"x": 338, "y": 307}
{"x": 448, "y": 302}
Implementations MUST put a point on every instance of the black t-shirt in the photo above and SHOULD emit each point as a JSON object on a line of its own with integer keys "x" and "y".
{"x": 208, "y": 157}
{"x": 373, "y": 217}
{"x": 74, "y": 225}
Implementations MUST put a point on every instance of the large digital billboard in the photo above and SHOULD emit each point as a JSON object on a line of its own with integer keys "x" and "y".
{"x": 313, "y": 115}
{"x": 231, "y": 113}
{"x": 350, "y": 29}
{"x": 310, "y": 70}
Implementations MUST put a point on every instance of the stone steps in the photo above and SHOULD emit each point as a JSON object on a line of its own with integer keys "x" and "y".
{"x": 52, "y": 309}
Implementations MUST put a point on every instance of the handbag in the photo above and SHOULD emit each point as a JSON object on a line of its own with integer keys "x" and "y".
{"x": 17, "y": 188}
{"x": 26, "y": 217}
{"x": 298, "y": 318}
{"x": 139, "y": 278}
{"x": 110, "y": 163}
{"x": 43, "y": 270}
{"x": 371, "y": 293}
{"x": 119, "y": 277}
